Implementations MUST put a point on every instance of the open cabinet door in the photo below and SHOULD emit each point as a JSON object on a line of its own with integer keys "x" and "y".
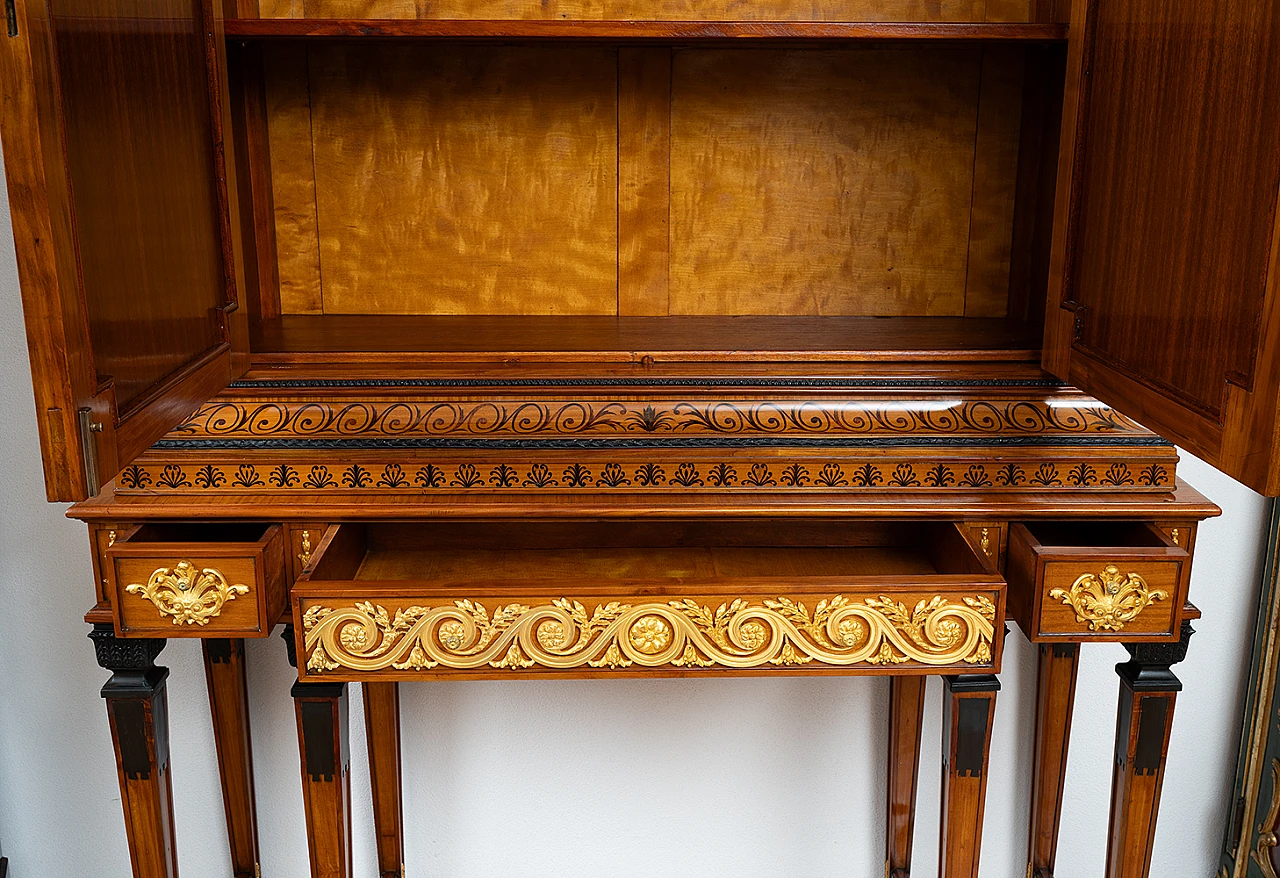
{"x": 1162, "y": 297}
{"x": 112, "y": 123}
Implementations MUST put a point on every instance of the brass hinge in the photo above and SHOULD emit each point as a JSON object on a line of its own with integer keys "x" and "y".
{"x": 89, "y": 449}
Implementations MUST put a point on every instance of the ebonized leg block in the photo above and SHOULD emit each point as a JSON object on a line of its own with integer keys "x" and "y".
{"x": 137, "y": 709}
{"x": 224, "y": 671}
{"x": 968, "y": 709}
{"x": 382, "y": 731}
{"x": 326, "y": 779}
{"x": 1055, "y": 697}
{"x": 1147, "y": 693}
{"x": 906, "y": 716}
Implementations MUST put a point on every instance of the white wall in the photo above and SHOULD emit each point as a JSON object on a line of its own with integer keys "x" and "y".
{"x": 744, "y": 777}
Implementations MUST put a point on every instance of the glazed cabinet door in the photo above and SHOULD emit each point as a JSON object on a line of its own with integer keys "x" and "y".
{"x": 112, "y": 120}
{"x": 1162, "y": 295}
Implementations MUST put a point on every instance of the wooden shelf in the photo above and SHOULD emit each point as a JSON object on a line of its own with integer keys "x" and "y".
{"x": 641, "y": 30}
{"x": 361, "y": 338}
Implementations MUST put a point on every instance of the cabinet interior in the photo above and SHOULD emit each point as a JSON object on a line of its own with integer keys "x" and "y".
{"x": 422, "y": 196}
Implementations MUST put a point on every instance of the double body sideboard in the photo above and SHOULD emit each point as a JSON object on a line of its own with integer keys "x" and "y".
{"x": 597, "y": 338}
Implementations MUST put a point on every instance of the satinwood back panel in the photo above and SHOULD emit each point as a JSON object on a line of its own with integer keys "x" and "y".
{"x": 451, "y": 180}
{"x": 1178, "y": 170}
{"x": 833, "y": 183}
{"x": 423, "y": 178}
{"x": 140, "y": 158}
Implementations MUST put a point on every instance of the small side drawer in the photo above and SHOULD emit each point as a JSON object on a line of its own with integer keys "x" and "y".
{"x": 197, "y": 580}
{"x": 1096, "y": 580}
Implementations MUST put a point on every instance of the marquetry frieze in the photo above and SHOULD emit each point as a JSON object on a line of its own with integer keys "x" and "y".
{"x": 547, "y": 437}
{"x": 308, "y": 471}
{"x": 595, "y": 414}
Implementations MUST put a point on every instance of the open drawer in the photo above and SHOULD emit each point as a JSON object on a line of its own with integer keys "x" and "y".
{"x": 401, "y": 601}
{"x": 1096, "y": 580}
{"x": 197, "y": 580}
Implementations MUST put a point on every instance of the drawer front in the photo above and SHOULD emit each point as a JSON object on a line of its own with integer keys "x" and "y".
{"x": 191, "y": 589}
{"x": 385, "y": 634}
{"x": 1110, "y": 597}
{"x": 1131, "y": 591}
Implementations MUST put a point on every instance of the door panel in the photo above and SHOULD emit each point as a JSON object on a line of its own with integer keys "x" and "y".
{"x": 1169, "y": 206}
{"x": 135, "y": 106}
{"x": 112, "y": 128}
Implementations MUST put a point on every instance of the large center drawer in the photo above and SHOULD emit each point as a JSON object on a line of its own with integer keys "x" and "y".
{"x": 512, "y": 599}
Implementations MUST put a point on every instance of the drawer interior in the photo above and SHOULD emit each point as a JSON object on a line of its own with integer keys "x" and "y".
{"x": 164, "y": 532}
{"x": 1135, "y": 534}
{"x": 625, "y": 550}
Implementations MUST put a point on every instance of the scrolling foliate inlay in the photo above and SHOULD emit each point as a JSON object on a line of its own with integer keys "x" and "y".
{"x": 521, "y": 416}
{"x": 1110, "y": 601}
{"x": 190, "y": 595}
{"x": 562, "y": 635}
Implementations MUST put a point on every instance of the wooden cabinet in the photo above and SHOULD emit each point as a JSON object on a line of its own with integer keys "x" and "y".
{"x": 943, "y": 168}
{"x": 826, "y": 322}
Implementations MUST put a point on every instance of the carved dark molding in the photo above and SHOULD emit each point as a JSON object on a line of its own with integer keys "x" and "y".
{"x": 1162, "y": 654}
{"x": 1148, "y": 670}
{"x": 436, "y": 442}
{"x": 302, "y": 384}
{"x": 123, "y": 656}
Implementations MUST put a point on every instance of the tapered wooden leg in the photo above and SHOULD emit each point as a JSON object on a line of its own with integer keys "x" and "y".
{"x": 137, "y": 709}
{"x": 1055, "y": 695}
{"x": 326, "y": 778}
{"x": 382, "y": 732}
{"x": 1147, "y": 692}
{"x": 968, "y": 709}
{"x": 224, "y": 672}
{"x": 906, "y": 716}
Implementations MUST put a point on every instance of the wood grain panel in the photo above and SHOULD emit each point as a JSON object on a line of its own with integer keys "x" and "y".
{"x": 995, "y": 177}
{"x": 466, "y": 179}
{"x": 660, "y": 30}
{"x": 644, "y": 180}
{"x": 453, "y": 565}
{"x": 1177, "y": 147}
{"x": 140, "y": 152}
{"x": 681, "y": 10}
{"x": 1009, "y": 10}
{"x": 249, "y": 106}
{"x": 822, "y": 183}
{"x": 281, "y": 8}
{"x": 1161, "y": 617}
{"x": 140, "y": 617}
{"x": 358, "y": 339}
{"x": 293, "y": 178}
